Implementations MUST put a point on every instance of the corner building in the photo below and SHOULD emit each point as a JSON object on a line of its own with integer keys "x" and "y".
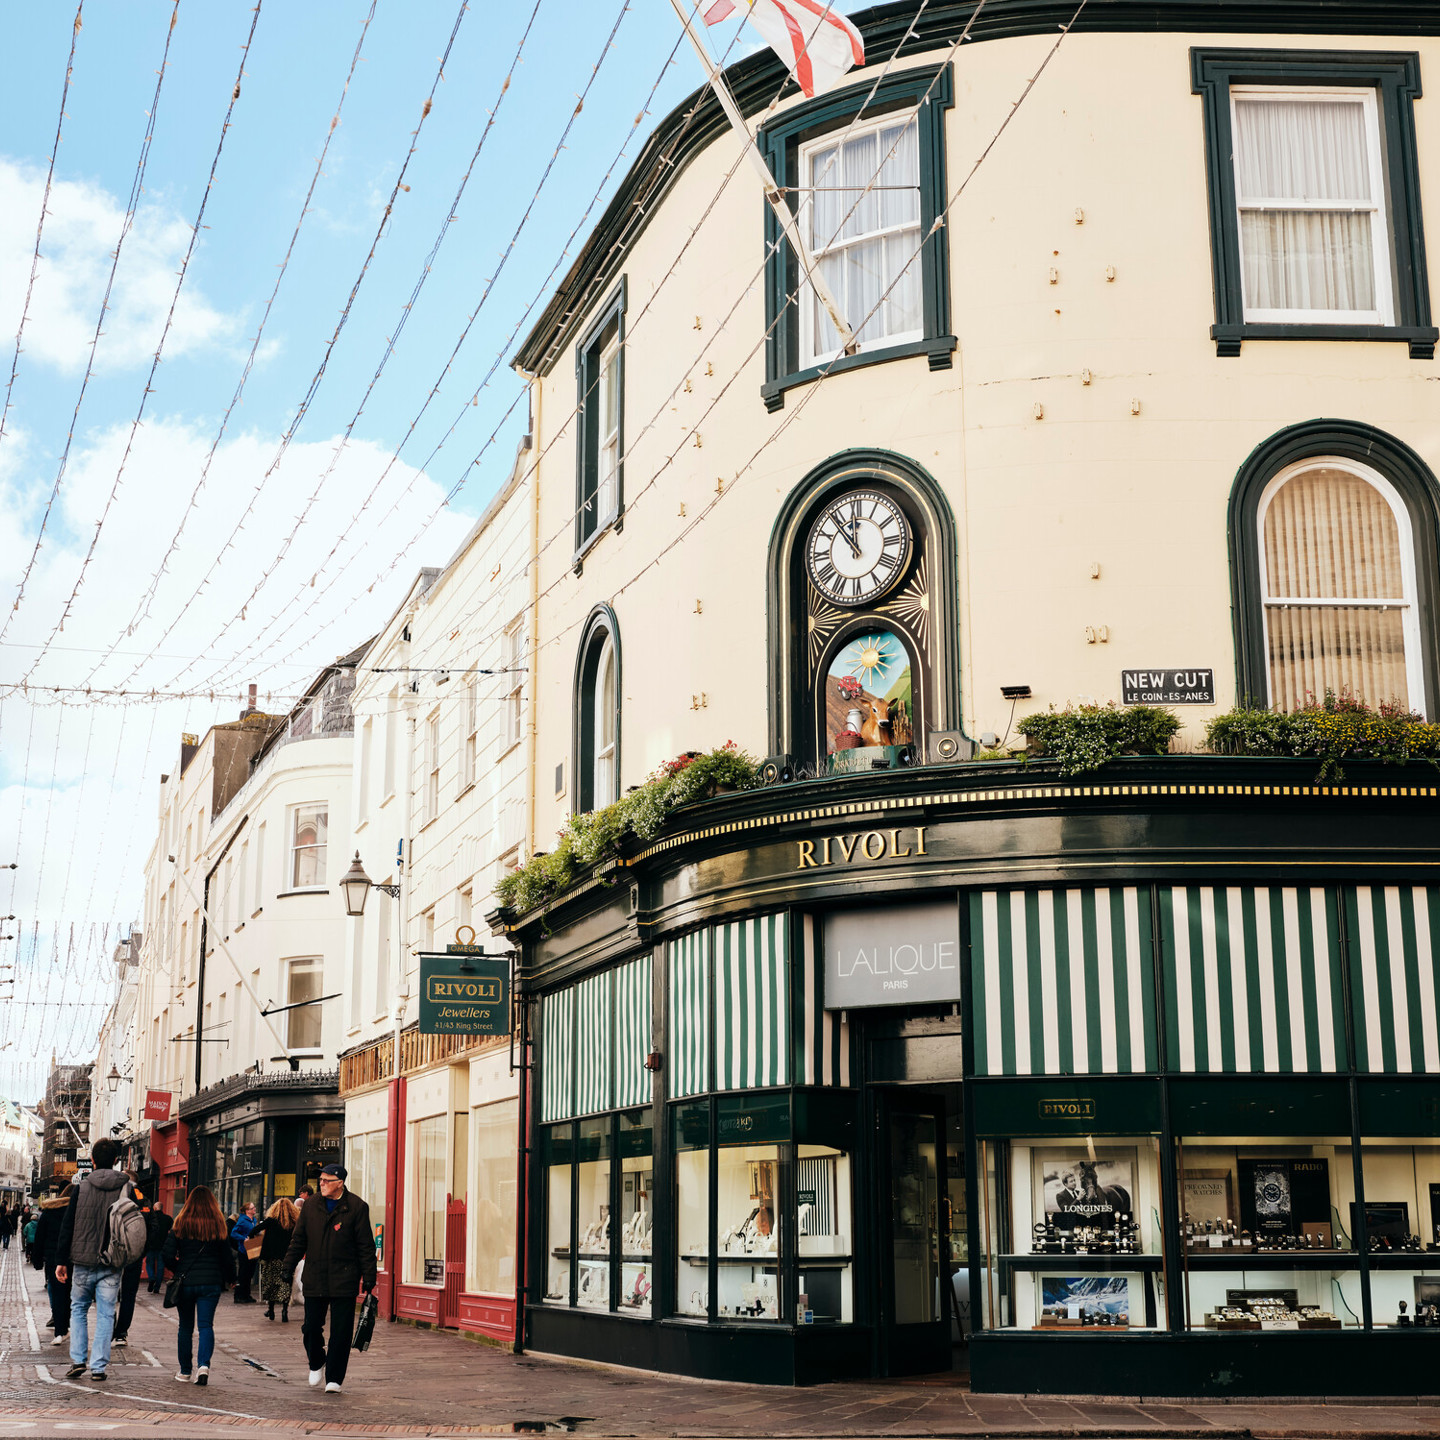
{"x": 911, "y": 1061}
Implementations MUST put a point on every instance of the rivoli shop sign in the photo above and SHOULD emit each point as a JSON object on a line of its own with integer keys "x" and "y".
{"x": 157, "y": 1104}
{"x": 462, "y": 995}
{"x": 891, "y": 955}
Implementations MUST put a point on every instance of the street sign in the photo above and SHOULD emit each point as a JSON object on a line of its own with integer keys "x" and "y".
{"x": 1194, "y": 686}
{"x": 462, "y": 994}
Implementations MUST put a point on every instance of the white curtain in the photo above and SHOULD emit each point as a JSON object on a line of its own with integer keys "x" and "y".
{"x": 1313, "y": 151}
{"x": 1330, "y": 535}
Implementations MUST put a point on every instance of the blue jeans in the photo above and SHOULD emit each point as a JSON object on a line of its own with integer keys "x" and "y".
{"x": 196, "y": 1302}
{"x": 154, "y": 1267}
{"x": 89, "y": 1283}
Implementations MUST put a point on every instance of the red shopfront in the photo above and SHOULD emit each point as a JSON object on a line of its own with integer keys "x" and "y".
{"x": 170, "y": 1157}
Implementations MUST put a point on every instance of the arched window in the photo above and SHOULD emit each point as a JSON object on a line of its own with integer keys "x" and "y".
{"x": 1333, "y": 532}
{"x": 1338, "y": 575}
{"x": 596, "y": 741}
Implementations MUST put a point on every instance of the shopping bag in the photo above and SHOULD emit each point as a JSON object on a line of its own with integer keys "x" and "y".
{"x": 253, "y": 1246}
{"x": 297, "y": 1289}
{"x": 365, "y": 1322}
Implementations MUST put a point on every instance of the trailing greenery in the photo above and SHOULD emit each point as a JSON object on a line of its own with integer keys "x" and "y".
{"x": 591, "y": 837}
{"x": 1339, "y": 727}
{"x": 1083, "y": 737}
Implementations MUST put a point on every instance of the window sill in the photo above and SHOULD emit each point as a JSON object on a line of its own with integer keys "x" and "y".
{"x": 615, "y": 523}
{"x": 255, "y": 914}
{"x": 376, "y": 1019}
{"x": 308, "y": 1054}
{"x": 238, "y": 928}
{"x": 386, "y": 801}
{"x": 510, "y": 748}
{"x": 1420, "y": 338}
{"x": 313, "y": 890}
{"x": 465, "y": 790}
{"x": 361, "y": 824}
{"x": 939, "y": 349}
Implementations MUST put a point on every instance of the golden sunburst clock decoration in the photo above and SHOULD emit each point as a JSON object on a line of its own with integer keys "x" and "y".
{"x": 874, "y": 660}
{"x": 912, "y": 604}
{"x": 820, "y": 623}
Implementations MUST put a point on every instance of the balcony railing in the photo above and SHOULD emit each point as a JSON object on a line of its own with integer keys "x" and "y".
{"x": 323, "y": 1081}
{"x": 367, "y": 1064}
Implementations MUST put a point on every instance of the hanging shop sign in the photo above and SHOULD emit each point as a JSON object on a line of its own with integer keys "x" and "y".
{"x": 892, "y": 955}
{"x": 157, "y": 1104}
{"x": 1167, "y": 687}
{"x": 461, "y": 994}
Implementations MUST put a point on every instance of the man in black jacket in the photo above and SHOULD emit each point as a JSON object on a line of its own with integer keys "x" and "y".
{"x": 334, "y": 1238}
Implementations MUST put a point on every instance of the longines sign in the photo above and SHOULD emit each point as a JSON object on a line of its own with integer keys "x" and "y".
{"x": 891, "y": 955}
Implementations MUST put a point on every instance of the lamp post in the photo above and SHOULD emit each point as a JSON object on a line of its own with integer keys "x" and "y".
{"x": 113, "y": 1078}
{"x": 357, "y": 885}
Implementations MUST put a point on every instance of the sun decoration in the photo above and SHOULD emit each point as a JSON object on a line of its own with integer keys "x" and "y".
{"x": 875, "y": 658}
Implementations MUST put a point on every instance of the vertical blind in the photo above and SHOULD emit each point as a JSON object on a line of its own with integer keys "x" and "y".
{"x": 557, "y": 1056}
{"x": 824, "y": 1035}
{"x": 752, "y": 1003}
{"x": 1063, "y": 981}
{"x": 594, "y": 1062}
{"x": 1394, "y": 976}
{"x": 1329, "y": 535}
{"x": 634, "y": 1006}
{"x": 1310, "y": 216}
{"x": 688, "y": 962}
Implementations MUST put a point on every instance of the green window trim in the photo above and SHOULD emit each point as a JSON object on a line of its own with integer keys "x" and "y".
{"x": 1395, "y": 77}
{"x": 780, "y": 143}
{"x": 588, "y": 353}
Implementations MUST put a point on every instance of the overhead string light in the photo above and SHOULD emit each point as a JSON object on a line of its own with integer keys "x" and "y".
{"x": 136, "y": 188}
{"x": 40, "y": 224}
{"x": 149, "y": 387}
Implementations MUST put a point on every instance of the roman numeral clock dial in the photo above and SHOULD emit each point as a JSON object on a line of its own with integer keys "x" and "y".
{"x": 859, "y": 547}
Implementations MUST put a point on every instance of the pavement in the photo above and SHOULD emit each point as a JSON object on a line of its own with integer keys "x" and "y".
{"x": 415, "y": 1382}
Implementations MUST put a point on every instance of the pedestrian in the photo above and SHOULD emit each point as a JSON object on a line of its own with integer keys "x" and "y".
{"x": 84, "y": 1235}
{"x": 8, "y": 1220}
{"x": 198, "y": 1251}
{"x": 275, "y": 1231}
{"x": 240, "y": 1232}
{"x": 47, "y": 1246}
{"x": 334, "y": 1238}
{"x": 130, "y": 1278}
{"x": 28, "y": 1236}
{"x": 157, "y": 1227}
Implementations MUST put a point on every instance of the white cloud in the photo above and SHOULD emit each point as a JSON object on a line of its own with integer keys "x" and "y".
{"x": 81, "y": 230}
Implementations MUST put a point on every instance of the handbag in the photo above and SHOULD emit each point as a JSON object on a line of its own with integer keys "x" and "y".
{"x": 172, "y": 1289}
{"x": 253, "y": 1247}
{"x": 365, "y": 1322}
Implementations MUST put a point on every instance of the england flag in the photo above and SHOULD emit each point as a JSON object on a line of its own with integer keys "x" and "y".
{"x": 817, "y": 45}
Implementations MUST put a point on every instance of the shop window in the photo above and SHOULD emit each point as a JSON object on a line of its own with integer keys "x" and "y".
{"x": 376, "y": 1166}
{"x": 557, "y": 1151}
{"x": 427, "y": 1144}
{"x": 593, "y": 1213}
{"x": 636, "y": 1211}
{"x": 303, "y": 981}
{"x": 600, "y": 418}
{"x": 597, "y": 715}
{"x": 1266, "y": 1227}
{"x": 1402, "y": 1231}
{"x": 823, "y": 1235}
{"x": 309, "y": 826}
{"x": 690, "y": 1143}
{"x": 1072, "y": 1234}
{"x": 492, "y": 1215}
{"x": 1315, "y": 223}
{"x": 460, "y": 1157}
{"x": 867, "y": 193}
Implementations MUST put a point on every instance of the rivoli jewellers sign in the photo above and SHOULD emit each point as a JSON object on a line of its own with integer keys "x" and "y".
{"x": 891, "y": 955}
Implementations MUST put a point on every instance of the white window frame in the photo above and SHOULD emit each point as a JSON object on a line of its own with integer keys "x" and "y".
{"x": 1384, "y": 314}
{"x": 362, "y": 807}
{"x": 1406, "y": 603}
{"x": 293, "y": 848}
{"x": 515, "y": 655}
{"x": 607, "y": 445}
{"x": 809, "y": 301}
{"x": 432, "y": 766}
{"x": 470, "y": 753}
{"x": 603, "y": 706}
{"x": 309, "y": 964}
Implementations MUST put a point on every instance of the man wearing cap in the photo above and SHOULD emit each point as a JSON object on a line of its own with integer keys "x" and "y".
{"x": 334, "y": 1238}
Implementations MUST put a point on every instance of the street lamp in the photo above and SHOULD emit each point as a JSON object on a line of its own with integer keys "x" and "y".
{"x": 113, "y": 1078}
{"x": 357, "y": 885}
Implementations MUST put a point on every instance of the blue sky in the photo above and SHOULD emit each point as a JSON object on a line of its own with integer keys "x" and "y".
{"x": 78, "y": 782}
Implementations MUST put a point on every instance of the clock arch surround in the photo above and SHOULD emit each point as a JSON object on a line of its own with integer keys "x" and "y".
{"x": 920, "y": 606}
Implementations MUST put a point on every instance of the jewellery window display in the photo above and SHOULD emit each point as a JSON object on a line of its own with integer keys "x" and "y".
{"x": 557, "y": 1152}
{"x": 1266, "y": 1228}
{"x": 636, "y": 1212}
{"x": 1077, "y": 1243}
{"x": 1402, "y": 1228}
{"x": 822, "y": 1235}
{"x": 592, "y": 1216}
{"x": 748, "y": 1241}
{"x": 690, "y": 1142}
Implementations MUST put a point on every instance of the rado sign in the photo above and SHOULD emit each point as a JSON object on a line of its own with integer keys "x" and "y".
{"x": 891, "y": 955}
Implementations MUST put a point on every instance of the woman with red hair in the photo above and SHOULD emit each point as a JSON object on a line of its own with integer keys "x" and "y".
{"x": 198, "y": 1252}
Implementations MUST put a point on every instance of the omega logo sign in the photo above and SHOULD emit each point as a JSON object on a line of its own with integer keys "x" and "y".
{"x": 892, "y": 955}
{"x": 861, "y": 845}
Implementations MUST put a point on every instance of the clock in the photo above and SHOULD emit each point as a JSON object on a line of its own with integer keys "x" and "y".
{"x": 858, "y": 548}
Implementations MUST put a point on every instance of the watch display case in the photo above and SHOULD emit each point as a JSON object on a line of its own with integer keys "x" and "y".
{"x": 690, "y": 1144}
{"x": 1266, "y": 1233}
{"x": 748, "y": 1238}
{"x": 592, "y": 1215}
{"x": 1402, "y": 1231}
{"x": 557, "y": 1154}
{"x": 636, "y": 1213}
{"x": 823, "y": 1235}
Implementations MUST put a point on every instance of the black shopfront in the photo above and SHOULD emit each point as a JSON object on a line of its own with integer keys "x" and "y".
{"x": 1157, "y": 1113}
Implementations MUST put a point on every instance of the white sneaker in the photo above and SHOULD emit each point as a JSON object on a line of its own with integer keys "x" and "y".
{"x": 60, "y": 1340}
{"x": 332, "y": 1388}
{"x": 316, "y": 1376}
{"x": 182, "y": 1377}
{"x": 202, "y": 1375}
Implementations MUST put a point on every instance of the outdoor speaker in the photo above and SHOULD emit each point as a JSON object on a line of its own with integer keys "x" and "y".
{"x": 945, "y": 747}
{"x": 777, "y": 770}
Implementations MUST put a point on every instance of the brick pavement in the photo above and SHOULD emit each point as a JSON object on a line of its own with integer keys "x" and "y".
{"x": 414, "y": 1382}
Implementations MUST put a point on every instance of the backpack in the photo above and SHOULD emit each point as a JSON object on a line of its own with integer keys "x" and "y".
{"x": 124, "y": 1234}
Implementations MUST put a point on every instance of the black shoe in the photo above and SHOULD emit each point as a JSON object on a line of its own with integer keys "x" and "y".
{"x": 118, "y": 1340}
{"x": 284, "y": 1314}
{"x": 75, "y": 1371}
{"x": 97, "y": 1376}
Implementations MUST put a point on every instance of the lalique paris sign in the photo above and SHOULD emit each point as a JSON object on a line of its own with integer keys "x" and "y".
{"x": 891, "y": 955}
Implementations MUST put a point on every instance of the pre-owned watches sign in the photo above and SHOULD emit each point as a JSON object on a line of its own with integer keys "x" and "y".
{"x": 891, "y": 955}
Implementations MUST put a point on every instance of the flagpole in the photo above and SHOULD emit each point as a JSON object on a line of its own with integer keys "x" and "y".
{"x": 783, "y": 214}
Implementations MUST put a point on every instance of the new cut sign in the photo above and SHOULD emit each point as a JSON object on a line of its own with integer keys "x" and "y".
{"x": 464, "y": 996}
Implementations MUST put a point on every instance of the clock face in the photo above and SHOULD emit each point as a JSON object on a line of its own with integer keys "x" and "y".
{"x": 858, "y": 548}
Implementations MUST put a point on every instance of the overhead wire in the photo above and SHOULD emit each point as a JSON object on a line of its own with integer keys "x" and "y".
{"x": 40, "y": 224}
{"x": 136, "y": 189}
{"x": 149, "y": 386}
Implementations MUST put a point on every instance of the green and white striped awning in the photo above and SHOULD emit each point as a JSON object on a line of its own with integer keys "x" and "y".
{"x": 688, "y": 968}
{"x": 634, "y": 1008}
{"x": 557, "y": 1056}
{"x": 824, "y": 1035}
{"x": 1394, "y": 976}
{"x": 752, "y": 1003}
{"x": 1252, "y": 979}
{"x": 594, "y": 1058}
{"x": 1063, "y": 981}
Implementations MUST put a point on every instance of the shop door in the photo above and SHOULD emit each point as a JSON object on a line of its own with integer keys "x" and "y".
{"x": 454, "y": 1262}
{"x": 913, "y": 1241}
